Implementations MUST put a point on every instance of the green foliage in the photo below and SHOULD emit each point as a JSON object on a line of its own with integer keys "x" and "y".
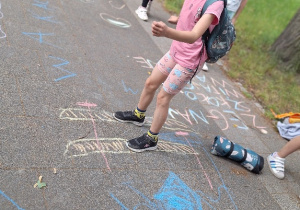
{"x": 263, "y": 21}
{"x": 174, "y": 6}
{"x": 250, "y": 60}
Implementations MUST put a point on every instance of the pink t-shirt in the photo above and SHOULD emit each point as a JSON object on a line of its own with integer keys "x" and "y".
{"x": 188, "y": 55}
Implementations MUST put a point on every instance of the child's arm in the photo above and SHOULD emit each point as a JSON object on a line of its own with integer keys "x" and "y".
{"x": 161, "y": 29}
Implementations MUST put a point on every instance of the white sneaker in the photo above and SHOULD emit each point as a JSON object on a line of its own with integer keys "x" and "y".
{"x": 276, "y": 165}
{"x": 205, "y": 67}
{"x": 142, "y": 13}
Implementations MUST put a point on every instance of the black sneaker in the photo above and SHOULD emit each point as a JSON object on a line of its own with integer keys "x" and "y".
{"x": 142, "y": 143}
{"x": 129, "y": 116}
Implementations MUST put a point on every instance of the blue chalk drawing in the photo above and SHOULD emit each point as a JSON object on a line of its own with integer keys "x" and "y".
{"x": 207, "y": 87}
{"x": 201, "y": 78}
{"x": 192, "y": 96}
{"x": 43, "y": 5}
{"x": 119, "y": 202}
{"x": 237, "y": 119}
{"x": 40, "y": 37}
{"x": 190, "y": 86}
{"x": 128, "y": 89}
{"x": 47, "y": 18}
{"x": 175, "y": 194}
{"x": 223, "y": 91}
{"x": 202, "y": 117}
{"x": 237, "y": 104}
{"x": 10, "y": 200}
{"x": 58, "y": 66}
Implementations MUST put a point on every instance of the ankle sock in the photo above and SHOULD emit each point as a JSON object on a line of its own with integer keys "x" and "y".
{"x": 154, "y": 136}
{"x": 139, "y": 113}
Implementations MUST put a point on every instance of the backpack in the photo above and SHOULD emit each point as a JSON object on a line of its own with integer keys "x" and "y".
{"x": 220, "y": 40}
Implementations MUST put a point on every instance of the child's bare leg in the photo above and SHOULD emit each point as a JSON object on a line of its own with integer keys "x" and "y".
{"x": 290, "y": 147}
{"x": 151, "y": 85}
{"x": 161, "y": 110}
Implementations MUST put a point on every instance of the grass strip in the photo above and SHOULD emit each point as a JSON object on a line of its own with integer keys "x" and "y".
{"x": 250, "y": 61}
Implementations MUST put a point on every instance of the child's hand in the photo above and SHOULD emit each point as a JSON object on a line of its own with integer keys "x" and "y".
{"x": 159, "y": 28}
{"x": 173, "y": 19}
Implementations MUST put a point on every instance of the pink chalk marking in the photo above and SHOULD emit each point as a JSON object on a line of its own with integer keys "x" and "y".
{"x": 186, "y": 116}
{"x": 199, "y": 162}
{"x": 253, "y": 120}
{"x": 89, "y": 105}
{"x": 214, "y": 117}
{"x": 180, "y": 133}
{"x": 86, "y": 104}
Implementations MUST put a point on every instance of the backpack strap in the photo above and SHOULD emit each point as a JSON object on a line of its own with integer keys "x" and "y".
{"x": 201, "y": 52}
{"x": 210, "y": 2}
{"x": 206, "y": 33}
{"x": 206, "y": 5}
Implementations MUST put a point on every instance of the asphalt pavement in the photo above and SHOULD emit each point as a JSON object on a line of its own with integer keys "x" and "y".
{"x": 66, "y": 66}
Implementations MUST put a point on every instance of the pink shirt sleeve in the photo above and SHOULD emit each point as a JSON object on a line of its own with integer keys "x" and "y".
{"x": 189, "y": 55}
{"x": 215, "y": 9}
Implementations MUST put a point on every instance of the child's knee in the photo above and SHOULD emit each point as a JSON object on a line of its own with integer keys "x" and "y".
{"x": 163, "y": 98}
